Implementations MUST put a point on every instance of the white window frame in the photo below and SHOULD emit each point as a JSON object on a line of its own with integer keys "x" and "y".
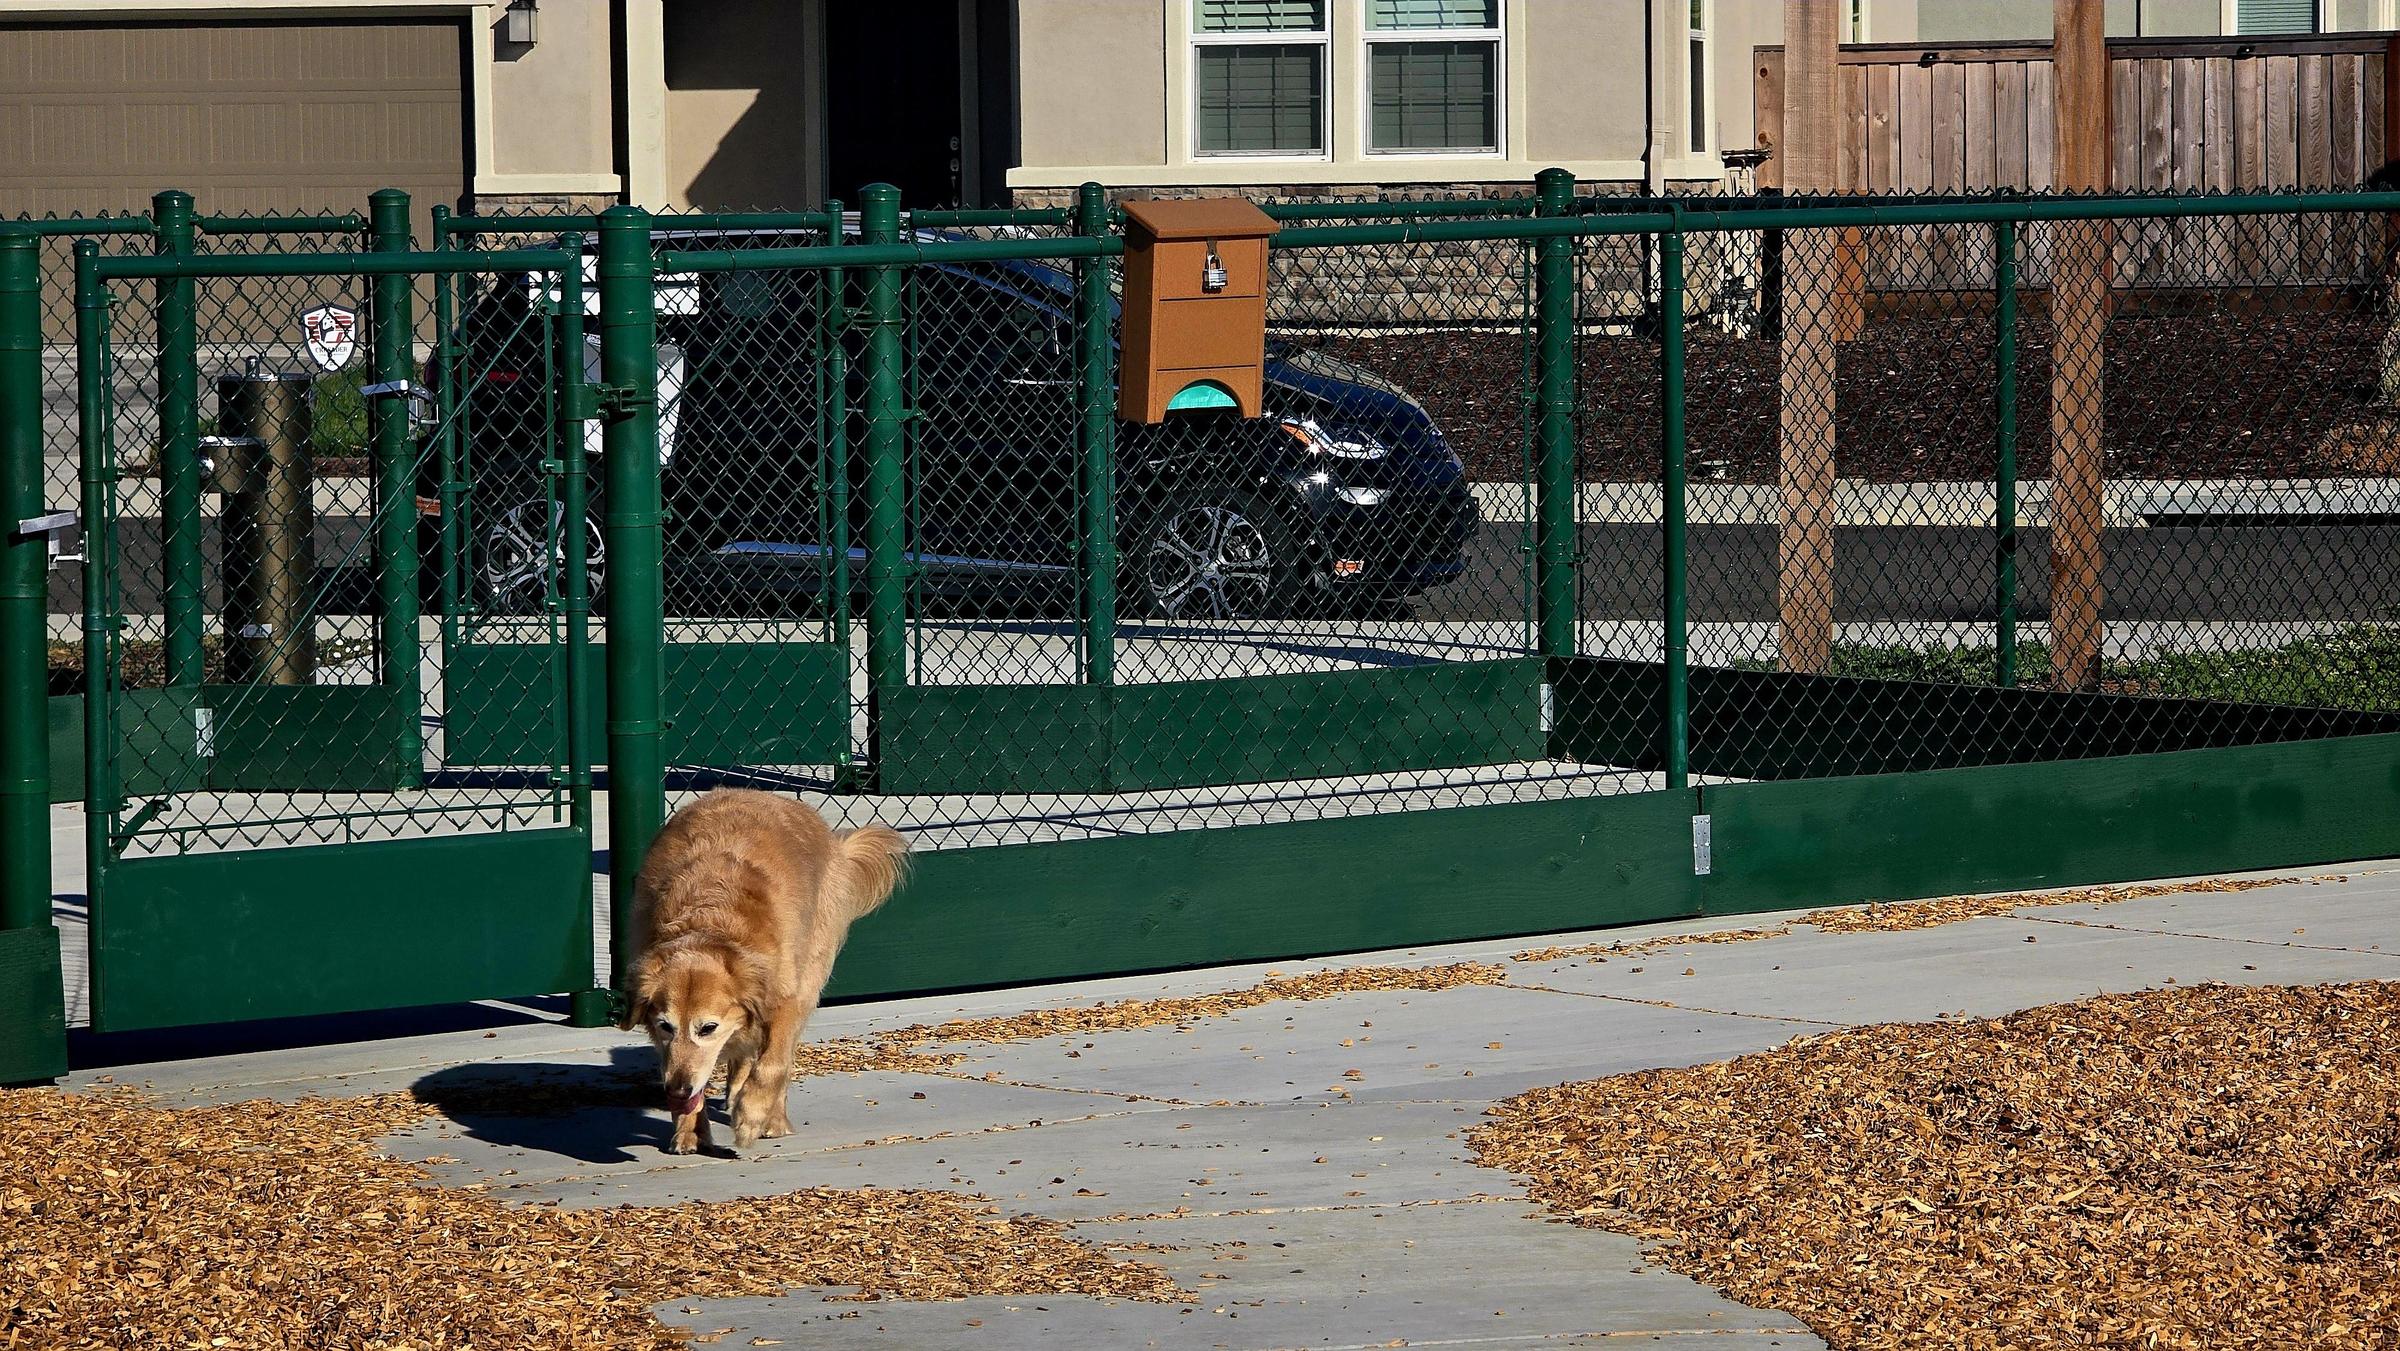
{"x": 2387, "y": 16}
{"x": 1861, "y": 20}
{"x": 1699, "y": 142}
{"x": 1496, "y": 35}
{"x": 1321, "y": 39}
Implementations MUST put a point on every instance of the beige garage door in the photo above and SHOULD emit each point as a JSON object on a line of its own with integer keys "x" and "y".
{"x": 248, "y": 117}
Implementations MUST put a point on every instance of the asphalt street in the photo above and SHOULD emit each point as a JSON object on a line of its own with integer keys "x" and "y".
{"x": 2339, "y": 570}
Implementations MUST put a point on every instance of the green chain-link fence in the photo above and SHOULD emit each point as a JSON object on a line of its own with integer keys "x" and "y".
{"x": 1570, "y": 525}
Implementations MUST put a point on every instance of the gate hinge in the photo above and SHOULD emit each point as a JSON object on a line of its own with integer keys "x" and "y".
{"x": 1702, "y": 858}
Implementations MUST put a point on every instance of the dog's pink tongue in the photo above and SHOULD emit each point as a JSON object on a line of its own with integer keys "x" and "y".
{"x": 688, "y": 1106}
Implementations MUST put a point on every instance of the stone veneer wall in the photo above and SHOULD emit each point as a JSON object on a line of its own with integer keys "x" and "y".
{"x": 540, "y": 203}
{"x": 1471, "y": 284}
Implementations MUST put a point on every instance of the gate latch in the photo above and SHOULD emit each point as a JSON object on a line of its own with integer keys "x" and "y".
{"x": 592, "y": 402}
{"x": 421, "y": 410}
{"x": 53, "y": 527}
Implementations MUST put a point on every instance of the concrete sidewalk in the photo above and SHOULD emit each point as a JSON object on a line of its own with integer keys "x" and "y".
{"x": 1301, "y": 1164}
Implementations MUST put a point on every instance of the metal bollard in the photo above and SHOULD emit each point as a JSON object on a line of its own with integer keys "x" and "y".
{"x": 268, "y": 529}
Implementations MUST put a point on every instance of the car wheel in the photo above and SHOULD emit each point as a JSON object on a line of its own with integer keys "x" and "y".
{"x": 1214, "y": 557}
{"x": 520, "y": 548}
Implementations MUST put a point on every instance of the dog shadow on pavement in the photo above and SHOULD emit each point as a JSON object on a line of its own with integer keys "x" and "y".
{"x": 589, "y": 1113}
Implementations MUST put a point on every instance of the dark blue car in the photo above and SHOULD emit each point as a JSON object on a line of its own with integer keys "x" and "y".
{"x": 1344, "y": 491}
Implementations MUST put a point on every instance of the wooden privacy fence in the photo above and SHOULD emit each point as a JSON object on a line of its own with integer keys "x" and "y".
{"x": 2185, "y": 116}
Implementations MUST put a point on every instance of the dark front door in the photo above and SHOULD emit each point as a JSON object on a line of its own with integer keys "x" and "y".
{"x": 921, "y": 94}
{"x": 894, "y": 101}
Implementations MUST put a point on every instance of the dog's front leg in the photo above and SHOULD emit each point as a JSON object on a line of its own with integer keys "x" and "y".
{"x": 761, "y": 1112}
{"x": 691, "y": 1132}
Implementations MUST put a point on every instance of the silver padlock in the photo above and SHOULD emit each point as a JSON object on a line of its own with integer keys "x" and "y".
{"x": 1213, "y": 276}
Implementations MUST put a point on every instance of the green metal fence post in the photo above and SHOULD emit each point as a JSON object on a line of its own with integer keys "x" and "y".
{"x": 445, "y": 431}
{"x": 174, "y": 233}
{"x": 1096, "y": 560}
{"x": 32, "y": 1000}
{"x": 833, "y": 412}
{"x": 1675, "y": 731}
{"x": 636, "y": 598}
{"x": 1554, "y": 423}
{"x": 571, "y": 470}
{"x": 396, "y": 569}
{"x": 98, "y": 463}
{"x": 886, "y": 450}
{"x": 2004, "y": 476}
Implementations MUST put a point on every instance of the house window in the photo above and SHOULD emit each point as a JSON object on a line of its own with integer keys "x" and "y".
{"x": 1856, "y": 29}
{"x": 1697, "y": 71}
{"x": 1433, "y": 76}
{"x": 2274, "y": 16}
{"x": 1258, "y": 77}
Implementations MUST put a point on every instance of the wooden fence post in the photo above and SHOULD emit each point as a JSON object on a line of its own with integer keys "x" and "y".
{"x": 1810, "y": 337}
{"x": 2079, "y": 314}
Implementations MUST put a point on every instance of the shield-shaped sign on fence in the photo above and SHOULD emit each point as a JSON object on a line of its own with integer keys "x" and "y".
{"x": 330, "y": 332}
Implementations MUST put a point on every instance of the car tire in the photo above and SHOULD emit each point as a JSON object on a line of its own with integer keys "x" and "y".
{"x": 507, "y": 562}
{"x": 1213, "y": 555}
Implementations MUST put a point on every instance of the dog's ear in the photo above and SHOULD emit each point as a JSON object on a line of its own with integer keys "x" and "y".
{"x": 641, "y": 996}
{"x": 754, "y": 977}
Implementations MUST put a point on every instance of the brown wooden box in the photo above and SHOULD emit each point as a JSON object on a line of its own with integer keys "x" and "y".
{"x": 1178, "y": 333}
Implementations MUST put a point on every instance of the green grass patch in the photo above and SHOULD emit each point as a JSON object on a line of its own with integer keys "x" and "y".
{"x": 2354, "y": 667}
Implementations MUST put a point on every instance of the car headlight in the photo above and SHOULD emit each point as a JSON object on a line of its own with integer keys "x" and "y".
{"x": 1342, "y": 443}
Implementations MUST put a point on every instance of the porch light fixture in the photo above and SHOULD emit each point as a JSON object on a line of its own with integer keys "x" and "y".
{"x": 517, "y": 22}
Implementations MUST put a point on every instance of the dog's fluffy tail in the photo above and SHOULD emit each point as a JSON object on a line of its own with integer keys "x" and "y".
{"x": 867, "y": 864}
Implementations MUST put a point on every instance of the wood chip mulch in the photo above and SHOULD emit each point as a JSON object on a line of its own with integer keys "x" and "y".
{"x": 2204, "y": 1167}
{"x": 270, "y": 1226}
{"x": 1925, "y": 914}
{"x": 904, "y": 1049}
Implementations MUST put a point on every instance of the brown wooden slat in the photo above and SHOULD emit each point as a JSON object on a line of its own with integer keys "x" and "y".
{"x": 1853, "y": 131}
{"x": 2124, "y": 118}
{"x": 2348, "y": 75}
{"x": 1981, "y": 172}
{"x": 2313, "y": 141}
{"x": 1883, "y": 165}
{"x": 1883, "y": 129}
{"x": 1938, "y": 246}
{"x": 2282, "y": 129}
{"x": 2216, "y": 157}
{"x": 2250, "y": 124}
{"x": 1916, "y": 129}
{"x": 2187, "y": 126}
{"x": 2041, "y": 126}
{"x": 2377, "y": 108}
{"x": 2011, "y": 123}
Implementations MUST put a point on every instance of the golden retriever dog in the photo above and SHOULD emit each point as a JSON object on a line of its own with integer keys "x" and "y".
{"x": 738, "y": 912}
